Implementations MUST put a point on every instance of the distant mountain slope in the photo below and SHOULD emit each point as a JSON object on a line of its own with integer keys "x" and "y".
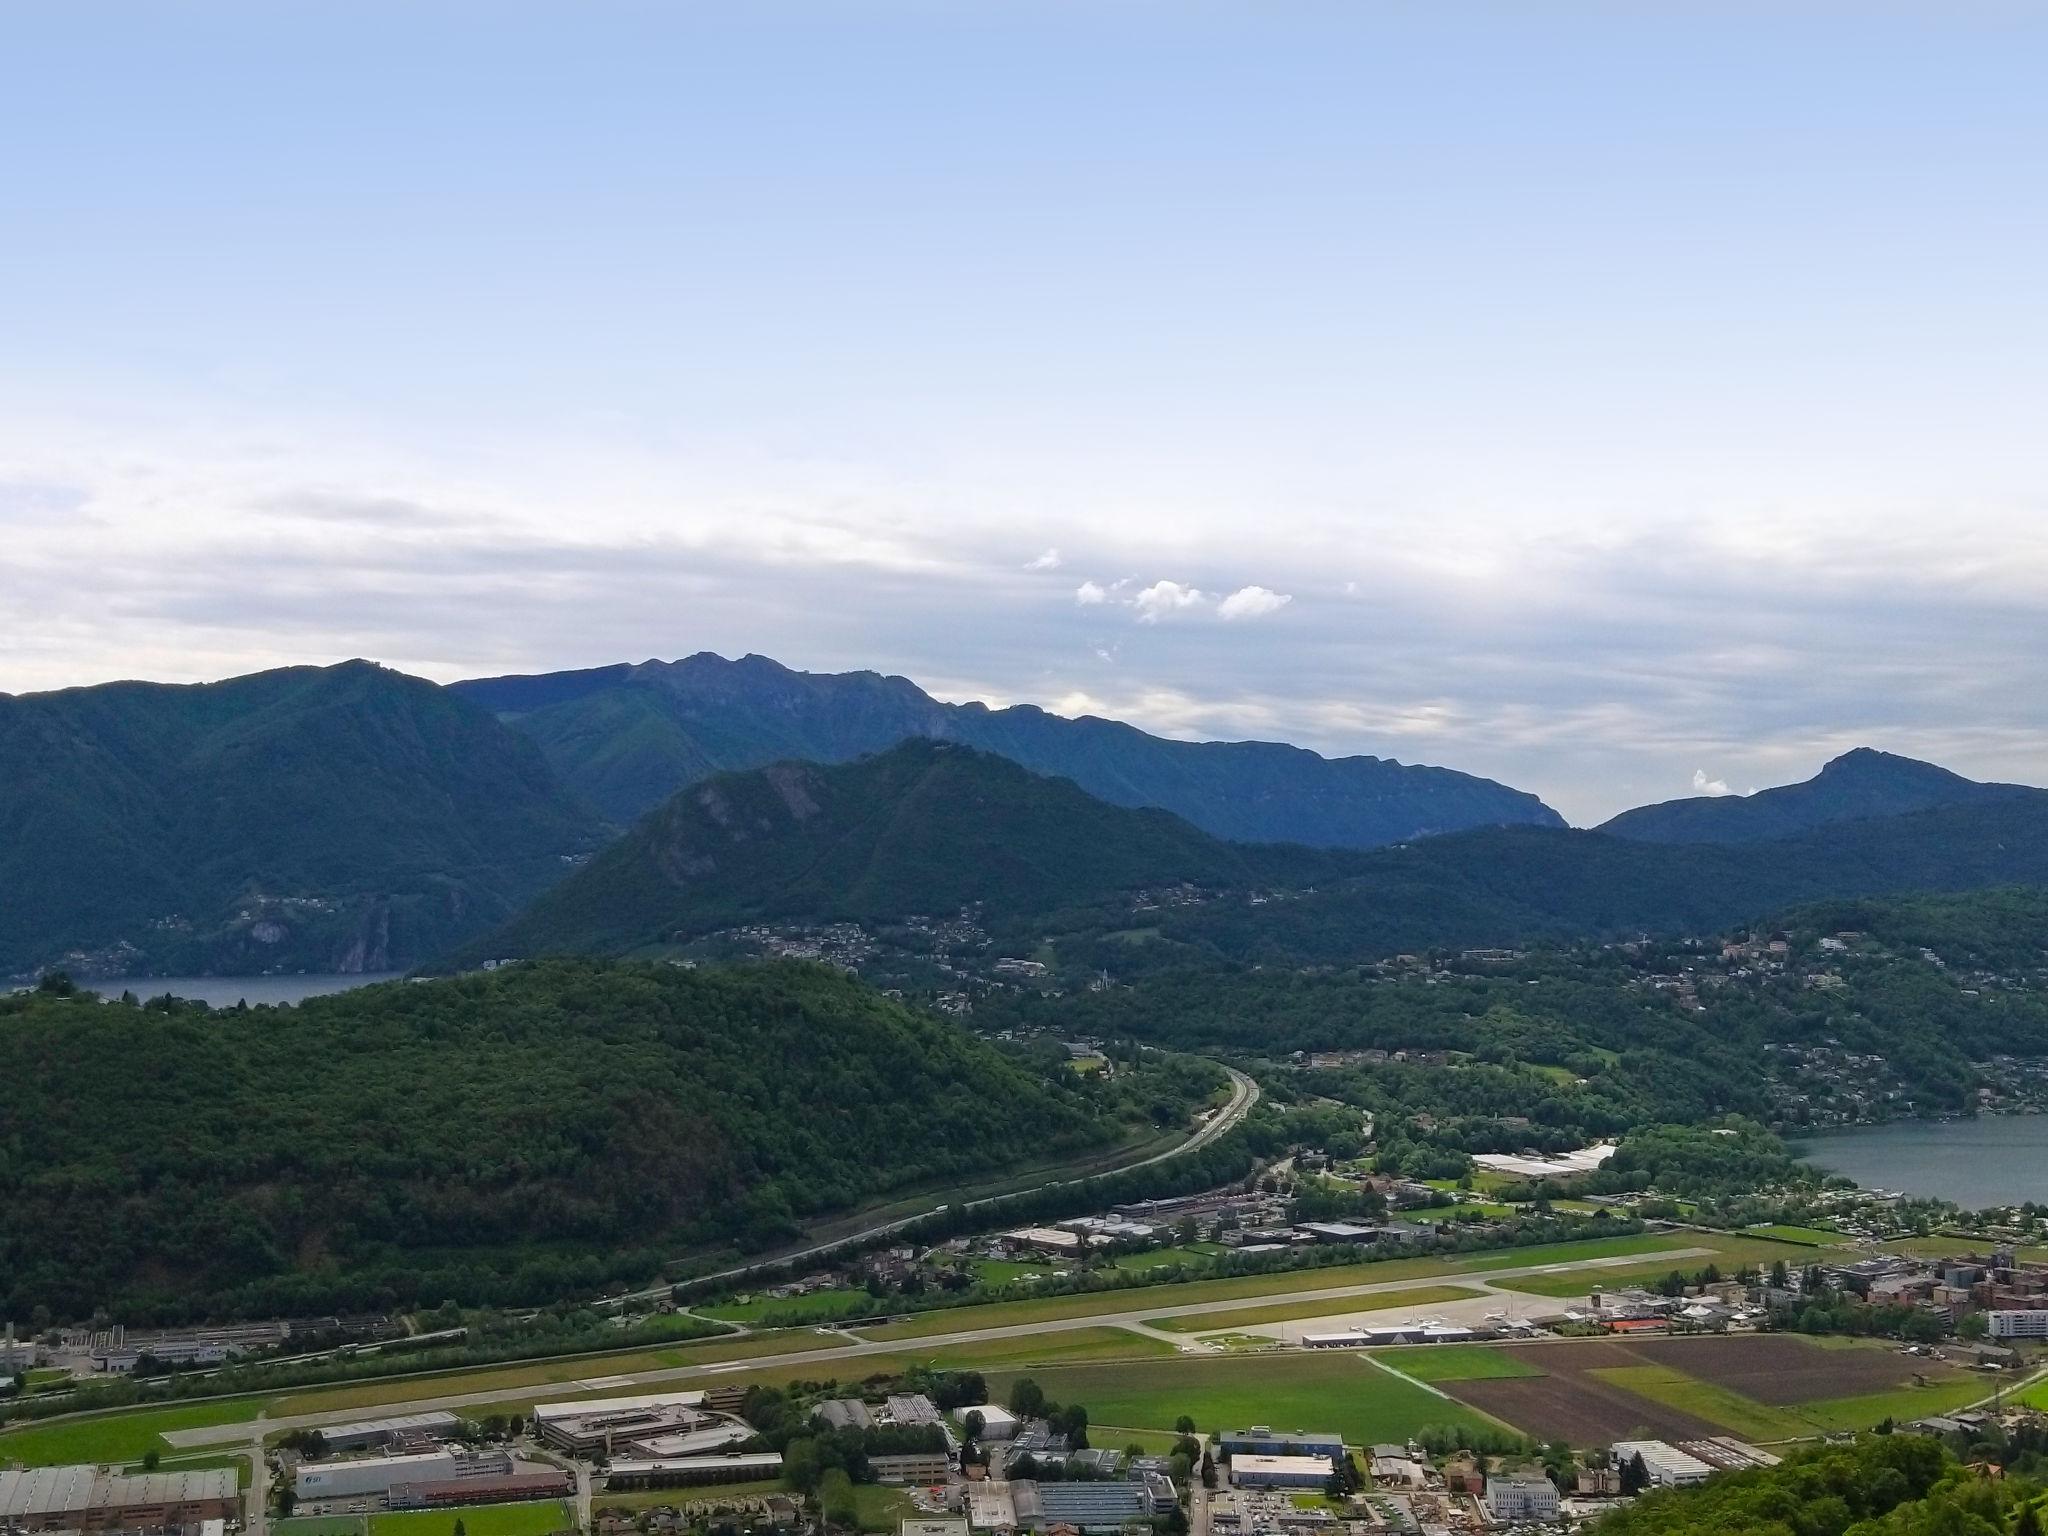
{"x": 309, "y": 818}
{"x": 628, "y": 737}
{"x": 923, "y": 828}
{"x": 520, "y": 1136}
{"x": 1522, "y": 883}
{"x": 1859, "y": 784}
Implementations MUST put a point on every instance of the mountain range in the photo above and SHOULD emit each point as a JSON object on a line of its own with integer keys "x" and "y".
{"x": 628, "y": 737}
{"x": 321, "y": 818}
{"x": 353, "y": 818}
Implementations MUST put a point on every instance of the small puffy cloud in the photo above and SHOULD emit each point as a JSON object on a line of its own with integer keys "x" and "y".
{"x": 1252, "y": 603}
{"x": 1049, "y": 561}
{"x": 1163, "y": 598}
{"x": 1089, "y": 593}
{"x": 1714, "y": 788}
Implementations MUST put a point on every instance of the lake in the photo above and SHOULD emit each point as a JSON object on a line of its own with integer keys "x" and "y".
{"x": 1993, "y": 1160}
{"x": 226, "y": 991}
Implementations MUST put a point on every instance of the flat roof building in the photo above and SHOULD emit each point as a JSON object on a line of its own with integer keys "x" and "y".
{"x": 376, "y": 1474}
{"x": 367, "y": 1433}
{"x": 605, "y": 1425}
{"x": 1087, "y": 1506}
{"x": 996, "y": 1423}
{"x": 684, "y": 1471}
{"x": 1668, "y": 1466}
{"x": 80, "y": 1498}
{"x": 1256, "y": 1471}
{"x": 1260, "y": 1440}
{"x": 498, "y": 1488}
{"x": 1523, "y": 1496}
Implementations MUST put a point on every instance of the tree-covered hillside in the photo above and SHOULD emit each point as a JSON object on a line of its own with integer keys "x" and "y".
{"x": 628, "y": 737}
{"x": 343, "y": 817}
{"x": 499, "y": 1137}
{"x": 924, "y": 828}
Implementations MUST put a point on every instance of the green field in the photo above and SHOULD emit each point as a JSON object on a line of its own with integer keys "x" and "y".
{"x": 322, "y": 1525}
{"x": 1455, "y": 1362}
{"x": 122, "y": 1436}
{"x": 1330, "y": 1392}
{"x": 538, "y": 1518}
{"x": 1236, "y": 1287}
{"x": 1729, "y": 1251}
{"x": 197, "y": 1464}
{"x": 1745, "y": 1416}
{"x": 1009, "y": 1271}
{"x": 882, "y": 1509}
{"x": 1159, "y": 1258}
{"x": 1067, "y": 1345}
{"x": 1289, "y": 1311}
{"x": 816, "y": 1307}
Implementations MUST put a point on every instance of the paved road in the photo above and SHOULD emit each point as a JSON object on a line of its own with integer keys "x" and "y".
{"x": 1132, "y": 1319}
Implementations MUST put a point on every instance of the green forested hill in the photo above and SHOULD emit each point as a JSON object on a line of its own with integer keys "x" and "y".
{"x": 343, "y": 817}
{"x": 924, "y": 828}
{"x": 628, "y": 737}
{"x": 501, "y": 1137}
{"x": 1855, "y": 786}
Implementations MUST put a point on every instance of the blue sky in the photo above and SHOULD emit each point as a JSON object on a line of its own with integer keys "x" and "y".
{"x": 1607, "y": 399}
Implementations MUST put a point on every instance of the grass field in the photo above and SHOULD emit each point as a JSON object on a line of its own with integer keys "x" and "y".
{"x": 197, "y": 1464}
{"x": 1703, "y": 1400}
{"x": 881, "y": 1509}
{"x": 1729, "y": 1251}
{"x": 1008, "y": 1271}
{"x": 1330, "y": 1392}
{"x": 1236, "y": 1287}
{"x": 1455, "y": 1362}
{"x": 1069, "y": 1345}
{"x": 1289, "y": 1311}
{"x": 122, "y": 1436}
{"x": 1159, "y": 1258}
{"x": 321, "y": 1525}
{"x": 817, "y": 1307}
{"x": 675, "y": 1498}
{"x": 538, "y": 1518}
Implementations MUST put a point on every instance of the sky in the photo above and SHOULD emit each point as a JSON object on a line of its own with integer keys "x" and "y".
{"x": 1620, "y": 401}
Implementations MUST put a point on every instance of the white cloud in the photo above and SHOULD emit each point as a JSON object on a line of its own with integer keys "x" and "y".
{"x": 1049, "y": 561}
{"x": 1252, "y": 603}
{"x": 1089, "y": 593}
{"x": 1714, "y": 788}
{"x": 1166, "y": 597}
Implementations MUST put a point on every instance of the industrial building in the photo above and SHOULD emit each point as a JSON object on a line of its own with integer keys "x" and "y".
{"x": 1089, "y": 1506}
{"x": 375, "y": 1476}
{"x": 376, "y": 1434}
{"x": 89, "y": 1499}
{"x": 684, "y": 1471}
{"x": 1668, "y": 1466}
{"x": 1521, "y": 1497}
{"x": 597, "y": 1427}
{"x": 1260, "y": 1440}
{"x": 1256, "y": 1471}
{"x": 996, "y": 1423}
{"x": 912, "y": 1468}
{"x": 528, "y": 1482}
{"x": 844, "y": 1413}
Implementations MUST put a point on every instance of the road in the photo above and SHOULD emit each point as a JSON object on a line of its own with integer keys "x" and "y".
{"x": 1244, "y": 1093}
{"x": 1132, "y": 1320}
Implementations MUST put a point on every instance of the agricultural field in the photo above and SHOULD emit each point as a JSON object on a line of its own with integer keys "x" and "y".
{"x": 1279, "y": 1284}
{"x": 1437, "y": 1363}
{"x": 1331, "y": 1391}
{"x": 1760, "y": 1386}
{"x": 1290, "y": 1311}
{"x": 542, "y": 1517}
{"x": 124, "y": 1435}
{"x": 321, "y": 1525}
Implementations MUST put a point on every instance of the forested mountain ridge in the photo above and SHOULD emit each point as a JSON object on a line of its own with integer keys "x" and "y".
{"x": 511, "y": 1136}
{"x": 627, "y": 737}
{"x": 1856, "y": 786}
{"x": 328, "y": 818}
{"x": 924, "y": 828}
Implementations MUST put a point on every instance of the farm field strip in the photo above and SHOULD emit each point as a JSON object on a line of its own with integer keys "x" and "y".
{"x": 1437, "y": 1363}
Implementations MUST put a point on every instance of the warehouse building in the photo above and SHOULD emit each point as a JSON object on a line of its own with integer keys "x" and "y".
{"x": 375, "y": 1476}
{"x": 1668, "y": 1466}
{"x": 528, "y": 1482}
{"x": 1089, "y": 1506}
{"x": 376, "y": 1434}
{"x": 89, "y": 1499}
{"x": 996, "y": 1423}
{"x": 912, "y": 1468}
{"x": 684, "y": 1471}
{"x": 1256, "y": 1471}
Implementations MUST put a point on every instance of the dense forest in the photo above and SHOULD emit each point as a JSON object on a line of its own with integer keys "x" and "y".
{"x": 325, "y": 818}
{"x": 506, "y": 1137}
{"x": 1884, "y": 1485}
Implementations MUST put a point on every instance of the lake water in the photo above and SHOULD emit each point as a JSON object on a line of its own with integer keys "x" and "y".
{"x": 226, "y": 991}
{"x": 1993, "y": 1160}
